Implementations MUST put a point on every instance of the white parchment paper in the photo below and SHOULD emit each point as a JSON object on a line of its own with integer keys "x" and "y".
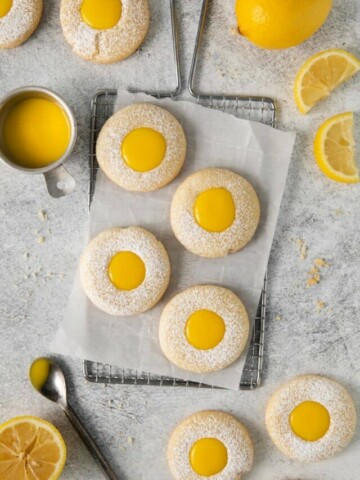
{"x": 215, "y": 139}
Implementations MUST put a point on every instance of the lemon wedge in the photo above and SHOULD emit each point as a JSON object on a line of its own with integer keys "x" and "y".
{"x": 321, "y": 74}
{"x": 334, "y": 148}
{"x": 30, "y": 449}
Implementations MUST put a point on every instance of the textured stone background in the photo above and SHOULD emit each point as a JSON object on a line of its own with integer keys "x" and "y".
{"x": 323, "y": 214}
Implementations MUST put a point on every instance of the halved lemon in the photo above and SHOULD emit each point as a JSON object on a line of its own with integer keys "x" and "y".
{"x": 321, "y": 74}
{"x": 30, "y": 449}
{"x": 334, "y": 148}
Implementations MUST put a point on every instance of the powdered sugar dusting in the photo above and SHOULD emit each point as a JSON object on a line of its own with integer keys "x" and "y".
{"x": 110, "y": 45}
{"x": 19, "y": 23}
{"x": 211, "y": 424}
{"x": 209, "y": 244}
{"x": 94, "y": 270}
{"x": 328, "y": 393}
{"x": 112, "y": 135}
{"x": 173, "y": 321}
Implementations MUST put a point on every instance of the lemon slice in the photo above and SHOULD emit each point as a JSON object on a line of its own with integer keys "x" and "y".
{"x": 30, "y": 449}
{"x": 334, "y": 148}
{"x": 321, "y": 74}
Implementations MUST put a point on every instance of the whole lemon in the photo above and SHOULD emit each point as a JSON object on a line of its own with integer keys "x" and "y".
{"x": 280, "y": 23}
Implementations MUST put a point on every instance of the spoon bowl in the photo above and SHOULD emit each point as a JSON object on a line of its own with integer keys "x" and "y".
{"x": 49, "y": 380}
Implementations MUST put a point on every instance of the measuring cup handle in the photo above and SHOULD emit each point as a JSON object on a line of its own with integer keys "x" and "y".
{"x": 59, "y": 182}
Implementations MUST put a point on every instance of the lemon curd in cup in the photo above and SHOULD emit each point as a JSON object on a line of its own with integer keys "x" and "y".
{"x": 35, "y": 132}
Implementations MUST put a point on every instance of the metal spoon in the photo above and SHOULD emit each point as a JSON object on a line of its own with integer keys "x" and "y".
{"x": 48, "y": 379}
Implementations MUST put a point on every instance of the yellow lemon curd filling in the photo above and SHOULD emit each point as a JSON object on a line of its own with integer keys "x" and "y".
{"x": 101, "y": 14}
{"x": 214, "y": 209}
{"x": 36, "y": 132}
{"x": 126, "y": 271}
{"x": 39, "y": 372}
{"x": 5, "y": 7}
{"x": 310, "y": 421}
{"x": 204, "y": 329}
{"x": 143, "y": 149}
{"x": 208, "y": 456}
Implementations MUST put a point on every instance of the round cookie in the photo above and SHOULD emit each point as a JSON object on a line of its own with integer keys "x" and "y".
{"x": 104, "y": 31}
{"x": 311, "y": 418}
{"x": 204, "y": 329}
{"x": 125, "y": 271}
{"x": 210, "y": 444}
{"x": 18, "y": 20}
{"x": 214, "y": 212}
{"x": 142, "y": 147}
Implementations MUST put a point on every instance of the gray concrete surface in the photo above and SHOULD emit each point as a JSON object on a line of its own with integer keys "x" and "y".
{"x": 132, "y": 424}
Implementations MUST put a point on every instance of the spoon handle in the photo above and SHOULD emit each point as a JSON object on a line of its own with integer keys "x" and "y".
{"x": 89, "y": 442}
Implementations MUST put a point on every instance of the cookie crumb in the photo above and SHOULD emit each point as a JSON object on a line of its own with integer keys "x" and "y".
{"x": 41, "y": 239}
{"x": 302, "y": 247}
{"x": 314, "y": 272}
{"x": 26, "y": 255}
{"x": 312, "y": 281}
{"x": 234, "y": 31}
{"x": 319, "y": 305}
{"x": 320, "y": 263}
{"x": 317, "y": 277}
{"x": 130, "y": 440}
{"x": 277, "y": 317}
{"x": 43, "y": 215}
{"x": 339, "y": 212}
{"x": 303, "y": 252}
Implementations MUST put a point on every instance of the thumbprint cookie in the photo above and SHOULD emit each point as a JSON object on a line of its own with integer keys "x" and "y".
{"x": 104, "y": 31}
{"x": 142, "y": 147}
{"x": 204, "y": 329}
{"x": 214, "y": 212}
{"x": 18, "y": 20}
{"x": 125, "y": 271}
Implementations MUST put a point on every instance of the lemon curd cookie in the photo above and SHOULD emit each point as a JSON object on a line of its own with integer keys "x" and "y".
{"x": 142, "y": 147}
{"x": 214, "y": 212}
{"x": 18, "y": 20}
{"x": 104, "y": 31}
{"x": 125, "y": 271}
{"x": 210, "y": 444}
{"x": 311, "y": 418}
{"x": 204, "y": 328}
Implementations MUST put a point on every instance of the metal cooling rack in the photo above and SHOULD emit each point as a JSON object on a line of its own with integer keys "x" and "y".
{"x": 258, "y": 109}
{"x": 253, "y": 108}
{"x": 176, "y": 50}
{"x": 102, "y": 107}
